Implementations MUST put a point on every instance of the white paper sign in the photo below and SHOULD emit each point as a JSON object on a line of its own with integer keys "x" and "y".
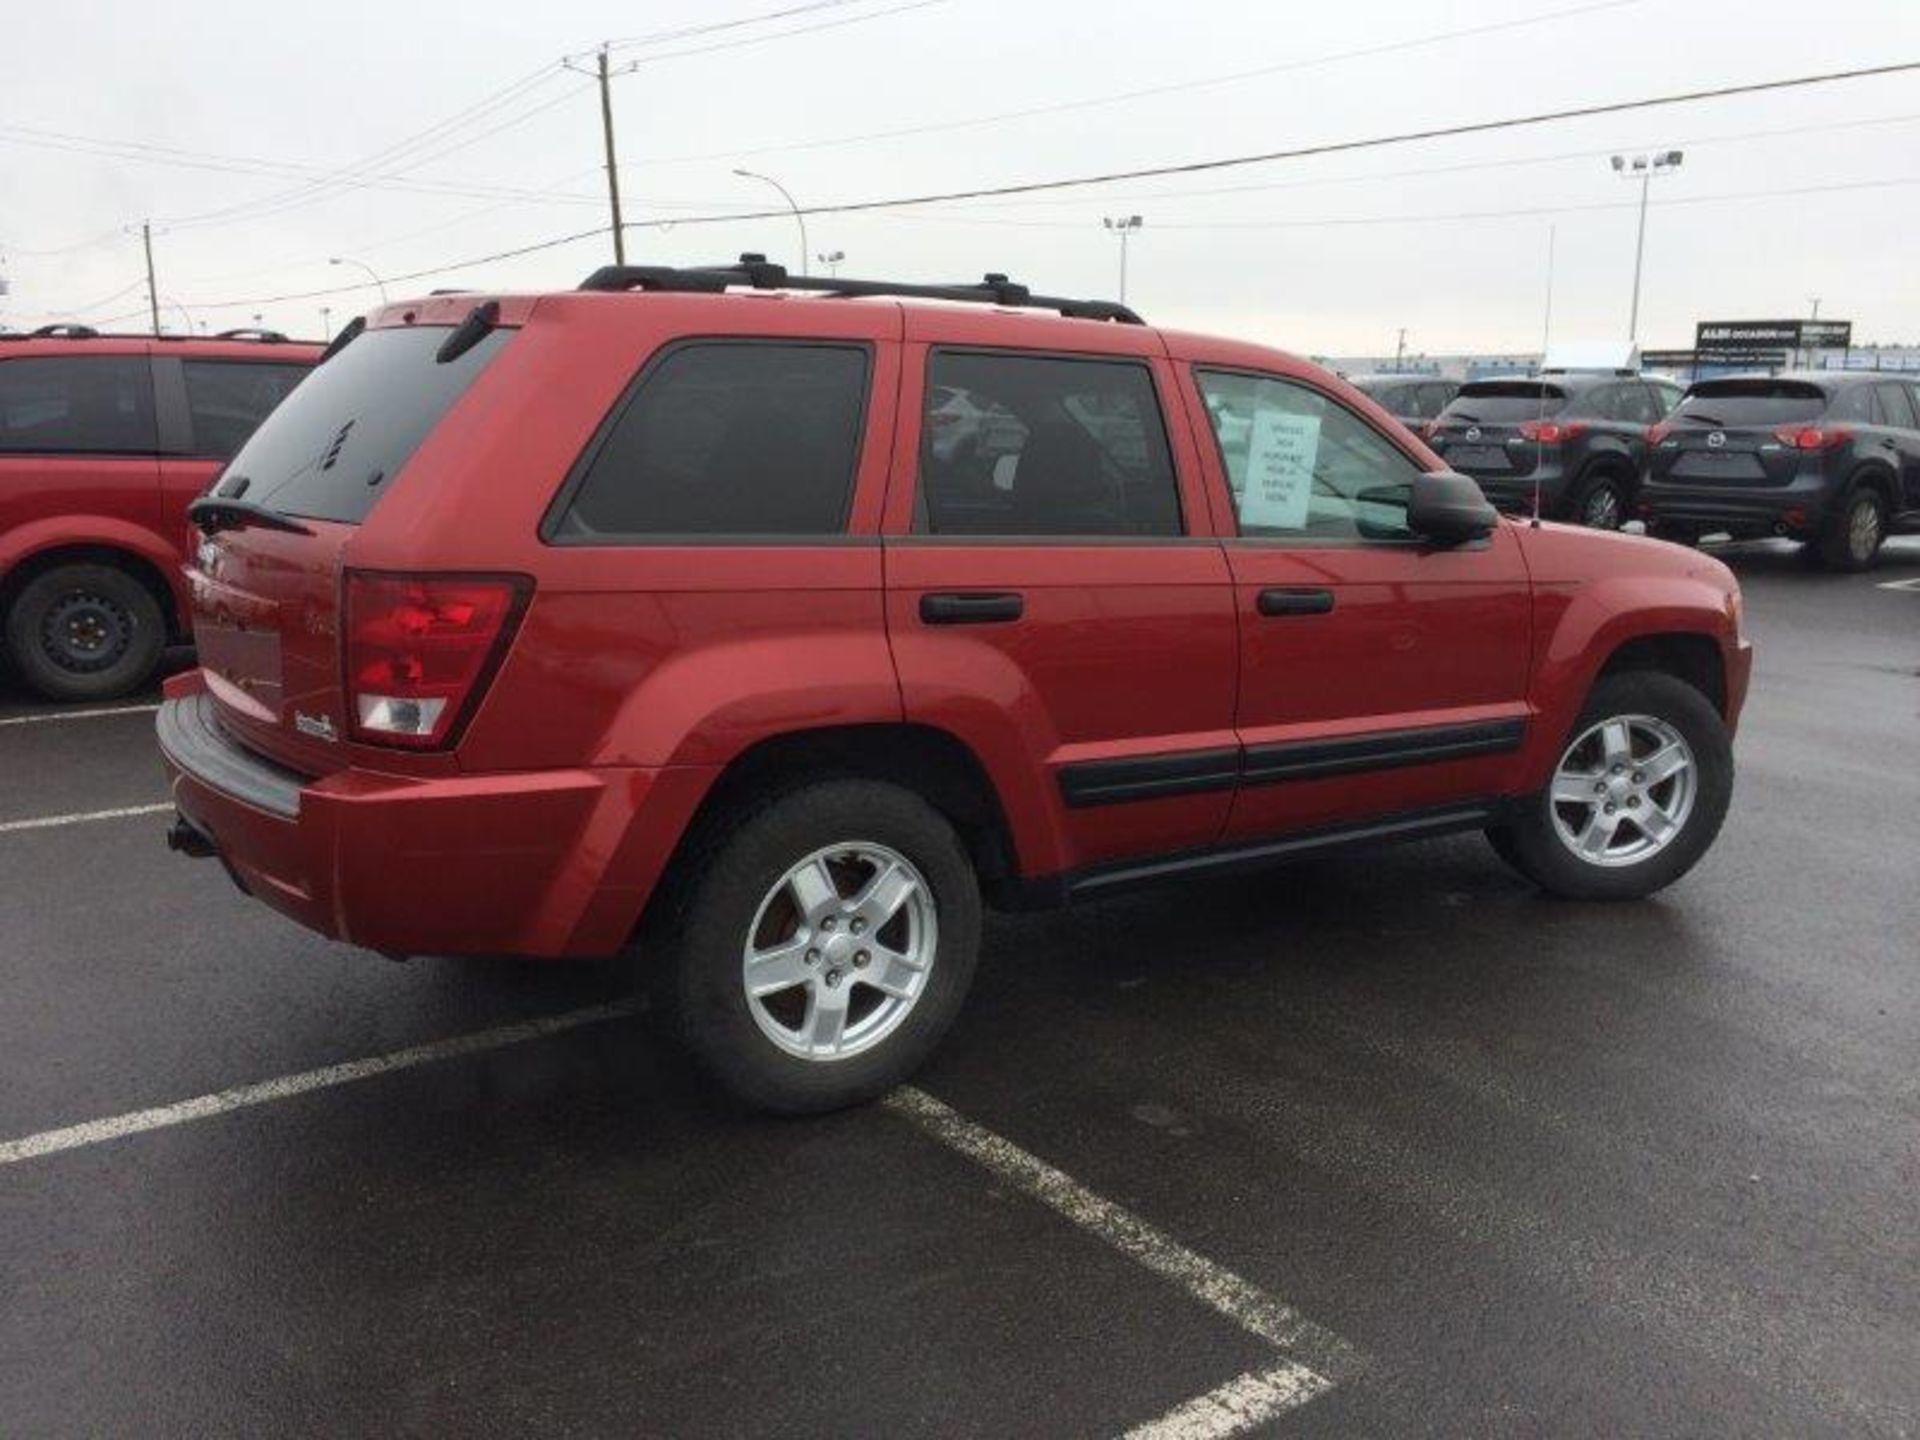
{"x": 1280, "y": 458}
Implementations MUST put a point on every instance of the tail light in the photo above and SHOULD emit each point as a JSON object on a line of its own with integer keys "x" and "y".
{"x": 420, "y": 649}
{"x": 1551, "y": 432}
{"x": 1657, "y": 433}
{"x": 1812, "y": 437}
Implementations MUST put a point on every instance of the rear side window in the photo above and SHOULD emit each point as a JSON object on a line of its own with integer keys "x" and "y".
{"x": 1505, "y": 402}
{"x": 726, "y": 438}
{"x": 1896, "y": 407}
{"x": 1021, "y": 445}
{"x": 229, "y": 398}
{"x": 333, "y": 448}
{"x": 77, "y": 405}
{"x": 1736, "y": 403}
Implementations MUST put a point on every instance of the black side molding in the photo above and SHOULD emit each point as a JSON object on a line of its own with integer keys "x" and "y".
{"x": 1314, "y": 759}
{"x": 1151, "y": 777}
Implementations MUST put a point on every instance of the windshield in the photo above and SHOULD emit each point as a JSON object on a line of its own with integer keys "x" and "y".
{"x": 1504, "y": 402}
{"x": 1751, "y": 402}
{"x": 332, "y": 449}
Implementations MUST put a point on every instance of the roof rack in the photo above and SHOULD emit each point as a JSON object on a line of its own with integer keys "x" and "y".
{"x": 64, "y": 332}
{"x": 755, "y": 273}
{"x": 252, "y": 332}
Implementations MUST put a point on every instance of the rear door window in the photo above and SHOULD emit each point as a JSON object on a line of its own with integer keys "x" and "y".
{"x": 1735, "y": 404}
{"x": 1505, "y": 402}
{"x": 740, "y": 438}
{"x": 1896, "y": 408}
{"x": 1021, "y": 445}
{"x": 77, "y": 405}
{"x": 1856, "y": 404}
{"x": 227, "y": 400}
{"x": 334, "y": 447}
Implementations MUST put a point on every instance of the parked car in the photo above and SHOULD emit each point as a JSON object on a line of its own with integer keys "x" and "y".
{"x": 652, "y": 617}
{"x": 1830, "y": 459}
{"x": 1413, "y": 400}
{"x": 1576, "y": 442}
{"x": 104, "y": 439}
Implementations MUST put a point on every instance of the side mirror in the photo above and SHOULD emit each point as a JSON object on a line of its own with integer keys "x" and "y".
{"x": 1448, "y": 509}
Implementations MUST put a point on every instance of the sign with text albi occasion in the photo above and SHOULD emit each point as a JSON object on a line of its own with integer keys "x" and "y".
{"x": 1716, "y": 338}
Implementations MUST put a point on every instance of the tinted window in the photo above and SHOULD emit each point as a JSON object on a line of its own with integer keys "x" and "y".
{"x": 334, "y": 447}
{"x": 1855, "y": 403}
{"x": 1895, "y": 407}
{"x": 1034, "y": 445}
{"x": 93, "y": 404}
{"x": 729, "y": 438}
{"x": 1751, "y": 402}
{"x": 1301, "y": 465}
{"x": 1638, "y": 405}
{"x": 229, "y": 398}
{"x": 1505, "y": 402}
{"x": 1665, "y": 396}
{"x": 1434, "y": 398}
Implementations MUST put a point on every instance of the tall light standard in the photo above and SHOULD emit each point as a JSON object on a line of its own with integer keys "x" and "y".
{"x": 831, "y": 259}
{"x": 326, "y": 322}
{"x": 786, "y": 195}
{"x": 1400, "y": 350}
{"x": 1124, "y": 226}
{"x": 1642, "y": 168}
{"x": 361, "y": 265}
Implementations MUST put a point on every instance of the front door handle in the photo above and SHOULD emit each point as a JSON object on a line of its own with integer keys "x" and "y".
{"x": 971, "y": 608}
{"x": 1295, "y": 602}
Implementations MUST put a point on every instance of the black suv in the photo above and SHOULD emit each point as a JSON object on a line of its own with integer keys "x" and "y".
{"x": 1413, "y": 400}
{"x": 1832, "y": 460}
{"x": 1580, "y": 440}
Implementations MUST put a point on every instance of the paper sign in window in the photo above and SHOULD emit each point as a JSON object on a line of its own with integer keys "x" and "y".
{"x": 1280, "y": 459}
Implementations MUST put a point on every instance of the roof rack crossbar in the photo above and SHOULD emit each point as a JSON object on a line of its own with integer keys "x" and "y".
{"x": 756, "y": 273}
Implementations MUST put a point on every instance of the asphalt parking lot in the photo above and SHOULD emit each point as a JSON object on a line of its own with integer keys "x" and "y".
{"x": 1382, "y": 1145}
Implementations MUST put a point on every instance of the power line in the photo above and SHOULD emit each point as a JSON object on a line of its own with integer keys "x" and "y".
{"x": 787, "y": 34}
{"x": 1126, "y": 96}
{"x": 685, "y": 32}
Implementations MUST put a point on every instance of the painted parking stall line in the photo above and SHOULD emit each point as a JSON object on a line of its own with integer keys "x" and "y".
{"x": 60, "y": 715}
{"x": 1237, "y": 1406}
{"x": 1912, "y": 584}
{"x": 85, "y": 817}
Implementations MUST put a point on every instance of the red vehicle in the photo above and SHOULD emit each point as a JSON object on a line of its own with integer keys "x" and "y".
{"x": 654, "y": 616}
{"x": 104, "y": 439}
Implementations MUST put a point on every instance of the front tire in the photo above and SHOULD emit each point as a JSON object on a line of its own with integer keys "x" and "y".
{"x": 1601, "y": 504}
{"x": 85, "y": 632}
{"x": 822, "y": 946}
{"x": 1637, "y": 797}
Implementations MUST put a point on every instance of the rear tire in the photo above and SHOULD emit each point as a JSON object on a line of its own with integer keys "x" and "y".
{"x": 1615, "y": 822}
{"x": 1601, "y": 503}
{"x": 85, "y": 632}
{"x": 788, "y": 988}
{"x": 1850, "y": 539}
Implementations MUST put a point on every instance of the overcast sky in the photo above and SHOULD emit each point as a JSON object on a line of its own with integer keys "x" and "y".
{"x": 305, "y": 132}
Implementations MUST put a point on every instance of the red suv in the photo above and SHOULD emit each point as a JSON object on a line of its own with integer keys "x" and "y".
{"x": 104, "y": 439}
{"x": 658, "y": 615}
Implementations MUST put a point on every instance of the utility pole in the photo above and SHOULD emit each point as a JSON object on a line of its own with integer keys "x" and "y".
{"x": 153, "y": 291}
{"x": 613, "y": 169}
{"x": 1399, "y": 349}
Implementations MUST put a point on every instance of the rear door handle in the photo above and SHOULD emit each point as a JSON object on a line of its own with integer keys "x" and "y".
{"x": 971, "y": 609}
{"x": 1295, "y": 602}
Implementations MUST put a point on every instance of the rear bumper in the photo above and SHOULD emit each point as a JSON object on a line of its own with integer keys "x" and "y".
{"x": 1795, "y": 509}
{"x": 552, "y": 863}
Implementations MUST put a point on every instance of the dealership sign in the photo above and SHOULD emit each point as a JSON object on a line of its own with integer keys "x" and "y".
{"x": 1720, "y": 341}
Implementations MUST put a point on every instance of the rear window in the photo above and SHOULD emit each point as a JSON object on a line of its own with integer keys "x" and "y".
{"x": 1505, "y": 402}
{"x": 334, "y": 447}
{"x": 1723, "y": 403}
{"x": 77, "y": 405}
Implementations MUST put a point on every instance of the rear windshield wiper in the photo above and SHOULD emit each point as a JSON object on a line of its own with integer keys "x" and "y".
{"x": 1700, "y": 419}
{"x": 214, "y": 513}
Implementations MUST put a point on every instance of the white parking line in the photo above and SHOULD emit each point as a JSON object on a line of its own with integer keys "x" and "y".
{"x": 1313, "y": 1360}
{"x": 48, "y": 822}
{"x": 1910, "y": 584}
{"x": 95, "y": 1132}
{"x": 1242, "y": 1403}
{"x": 78, "y": 714}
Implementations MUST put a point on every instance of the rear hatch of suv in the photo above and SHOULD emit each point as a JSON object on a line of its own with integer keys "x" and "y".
{"x": 280, "y": 618}
{"x": 1736, "y": 432}
{"x": 1480, "y": 430}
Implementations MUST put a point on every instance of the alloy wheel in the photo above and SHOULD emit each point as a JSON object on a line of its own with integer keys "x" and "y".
{"x": 1623, "y": 790}
{"x": 1602, "y": 508}
{"x": 1863, "y": 528}
{"x": 840, "y": 951}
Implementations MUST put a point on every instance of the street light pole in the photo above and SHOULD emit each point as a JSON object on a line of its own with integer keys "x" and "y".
{"x": 1124, "y": 226}
{"x": 1642, "y": 168}
{"x": 831, "y": 259}
{"x": 361, "y": 265}
{"x": 785, "y": 194}
{"x": 1399, "y": 349}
